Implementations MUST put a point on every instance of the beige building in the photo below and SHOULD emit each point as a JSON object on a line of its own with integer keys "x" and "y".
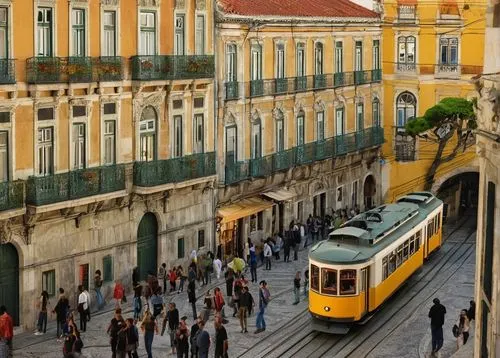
{"x": 487, "y": 328}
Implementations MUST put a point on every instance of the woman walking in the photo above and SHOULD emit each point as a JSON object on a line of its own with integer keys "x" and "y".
{"x": 42, "y": 315}
{"x": 296, "y": 287}
{"x": 132, "y": 339}
{"x": 118, "y": 294}
{"x": 149, "y": 328}
{"x": 61, "y": 310}
{"x": 463, "y": 324}
{"x": 97, "y": 289}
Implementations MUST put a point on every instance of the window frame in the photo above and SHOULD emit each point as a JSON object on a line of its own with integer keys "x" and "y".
{"x": 360, "y": 116}
{"x": 198, "y": 134}
{"x": 256, "y": 62}
{"x": 445, "y": 43}
{"x": 376, "y": 112}
{"x": 300, "y": 58}
{"x": 405, "y": 105}
{"x": 105, "y": 278}
{"x": 79, "y": 36}
{"x": 280, "y": 65}
{"x": 329, "y": 291}
{"x": 148, "y": 135}
{"x": 358, "y": 55}
{"x": 4, "y": 148}
{"x": 319, "y": 58}
{"x": 41, "y": 169}
{"x": 79, "y": 145}
{"x": 280, "y": 133}
{"x": 301, "y": 129}
{"x": 320, "y": 125}
{"x": 180, "y": 34}
{"x": 231, "y": 62}
{"x": 201, "y": 238}
{"x": 44, "y": 24}
{"x": 339, "y": 57}
{"x": 227, "y": 129}
{"x": 350, "y": 292}
{"x": 256, "y": 144}
{"x": 146, "y": 30}
{"x": 376, "y": 64}
{"x": 5, "y": 27}
{"x": 178, "y": 135}
{"x": 199, "y": 35}
{"x": 181, "y": 247}
{"x": 45, "y": 282}
{"x": 314, "y": 284}
{"x": 403, "y": 48}
{"x": 106, "y": 29}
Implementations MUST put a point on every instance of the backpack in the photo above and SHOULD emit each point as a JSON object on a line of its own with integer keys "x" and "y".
{"x": 456, "y": 331}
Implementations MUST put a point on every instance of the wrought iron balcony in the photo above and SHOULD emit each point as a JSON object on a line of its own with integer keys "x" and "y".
{"x": 301, "y": 83}
{"x": 404, "y": 145}
{"x": 261, "y": 167}
{"x": 232, "y": 90}
{"x": 406, "y": 67}
{"x": 75, "y": 184}
{"x": 281, "y": 85}
{"x": 362, "y": 77}
{"x": 11, "y": 195}
{"x": 376, "y": 75}
{"x": 7, "y": 71}
{"x": 171, "y": 67}
{"x": 319, "y": 81}
{"x": 284, "y": 160}
{"x": 237, "y": 172}
{"x": 109, "y": 68}
{"x": 447, "y": 70}
{"x": 175, "y": 170}
{"x": 324, "y": 149}
{"x": 256, "y": 88}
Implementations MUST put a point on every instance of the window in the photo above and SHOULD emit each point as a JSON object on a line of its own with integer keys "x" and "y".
{"x": 406, "y": 12}
{"x": 376, "y": 113}
{"x": 46, "y": 114}
{"x": 385, "y": 271}
{"x": 339, "y": 57}
{"x": 406, "y": 104}
{"x": 179, "y": 35}
{"x": 4, "y": 33}
{"x": 358, "y": 59}
{"x": 300, "y": 211}
{"x": 253, "y": 222}
{"x": 201, "y": 238}
{"x": 198, "y": 145}
{"x": 360, "y": 116}
{"x": 392, "y": 263}
{"x": 348, "y": 282}
{"x": 231, "y": 156}
{"x": 109, "y": 142}
{"x": 280, "y": 133}
{"x": 405, "y": 250}
{"x": 339, "y": 121}
{"x": 109, "y": 48}
{"x": 200, "y": 35}
{"x": 320, "y": 126}
{"x": 496, "y": 15}
{"x": 412, "y": 245}
{"x": 78, "y": 145}
{"x": 256, "y": 139}
{"x": 79, "y": 111}
{"x": 78, "y": 32}
{"x": 489, "y": 239}
{"x": 376, "y": 54}
{"x": 4, "y": 156}
{"x": 430, "y": 228}
{"x": 314, "y": 272}
{"x": 260, "y": 220}
{"x": 45, "y": 151}
{"x": 399, "y": 256}
{"x": 147, "y": 129}
{"x": 318, "y": 58}
{"x": 329, "y": 281}
{"x": 354, "y": 192}
{"x": 406, "y": 53}
{"x": 49, "y": 282}
{"x": 180, "y": 248}
{"x": 177, "y": 104}
{"x": 280, "y": 60}
{"x": 147, "y": 33}
{"x": 84, "y": 276}
{"x": 107, "y": 269}
{"x": 178, "y": 139}
{"x": 44, "y": 32}
{"x": 418, "y": 236}
{"x": 256, "y": 62}
{"x": 448, "y": 49}
{"x": 300, "y": 129}
{"x": 4, "y": 117}
{"x": 301, "y": 59}
{"x": 231, "y": 69}
{"x": 340, "y": 191}
{"x": 199, "y": 102}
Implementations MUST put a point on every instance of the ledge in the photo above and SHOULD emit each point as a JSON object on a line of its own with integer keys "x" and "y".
{"x": 142, "y": 190}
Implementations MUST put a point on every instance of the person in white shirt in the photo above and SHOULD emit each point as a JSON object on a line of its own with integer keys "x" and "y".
{"x": 268, "y": 252}
{"x": 217, "y": 267}
{"x": 89, "y": 303}
{"x": 83, "y": 306}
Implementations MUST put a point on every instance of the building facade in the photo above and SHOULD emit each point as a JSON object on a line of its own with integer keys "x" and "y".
{"x": 430, "y": 52}
{"x": 107, "y": 141}
{"x": 299, "y": 110}
{"x": 487, "y": 327}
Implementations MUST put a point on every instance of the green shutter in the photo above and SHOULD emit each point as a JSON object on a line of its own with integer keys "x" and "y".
{"x": 107, "y": 265}
{"x": 180, "y": 248}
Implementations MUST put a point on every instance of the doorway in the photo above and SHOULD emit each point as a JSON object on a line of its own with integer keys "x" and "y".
{"x": 369, "y": 190}
{"x": 9, "y": 280}
{"x": 147, "y": 245}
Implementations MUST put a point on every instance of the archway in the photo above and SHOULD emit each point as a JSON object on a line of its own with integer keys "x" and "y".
{"x": 147, "y": 243}
{"x": 459, "y": 194}
{"x": 9, "y": 280}
{"x": 369, "y": 190}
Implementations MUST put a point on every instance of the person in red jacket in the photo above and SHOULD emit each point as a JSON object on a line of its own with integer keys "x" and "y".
{"x": 118, "y": 293}
{"x": 172, "y": 277}
{"x": 6, "y": 332}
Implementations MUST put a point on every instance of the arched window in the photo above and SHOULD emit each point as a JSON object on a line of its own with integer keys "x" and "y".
{"x": 406, "y": 105}
{"x": 406, "y": 53}
{"x": 256, "y": 139}
{"x": 147, "y": 130}
{"x": 301, "y": 128}
{"x": 280, "y": 132}
{"x": 339, "y": 121}
{"x": 231, "y": 145}
{"x": 376, "y": 112}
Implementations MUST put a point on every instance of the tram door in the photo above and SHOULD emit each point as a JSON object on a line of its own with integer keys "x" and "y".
{"x": 364, "y": 287}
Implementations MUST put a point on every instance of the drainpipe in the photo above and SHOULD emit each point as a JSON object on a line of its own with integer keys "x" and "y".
{"x": 216, "y": 120}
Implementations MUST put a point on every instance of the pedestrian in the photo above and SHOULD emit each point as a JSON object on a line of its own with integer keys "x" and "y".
{"x": 315, "y": 229}
{"x": 296, "y": 288}
{"x": 217, "y": 267}
{"x": 83, "y": 306}
{"x": 42, "y": 315}
{"x": 471, "y": 312}
{"x": 246, "y": 254}
{"x": 193, "y": 337}
{"x": 61, "y": 310}
{"x": 208, "y": 265}
{"x": 287, "y": 245}
{"x": 436, "y": 314}
{"x": 192, "y": 272}
{"x": 132, "y": 339}
{"x": 182, "y": 278}
{"x": 182, "y": 339}
{"x": 172, "y": 318}
{"x": 121, "y": 342}
{"x": 115, "y": 326}
{"x": 192, "y": 296}
{"x": 253, "y": 263}
{"x": 77, "y": 344}
{"x": 245, "y": 306}
{"x": 6, "y": 333}
{"x": 295, "y": 240}
{"x": 237, "y": 286}
{"x": 149, "y": 327}
{"x": 118, "y": 294}
{"x": 221, "y": 340}
{"x": 172, "y": 278}
{"x": 229, "y": 275}
{"x": 162, "y": 276}
{"x": 89, "y": 302}
{"x": 157, "y": 303}
{"x": 306, "y": 282}
{"x": 219, "y": 301}
{"x": 137, "y": 301}
{"x": 202, "y": 340}
{"x": 135, "y": 276}
{"x": 72, "y": 346}
{"x": 264, "y": 298}
{"x": 278, "y": 243}
{"x": 302, "y": 231}
{"x": 97, "y": 289}
{"x": 267, "y": 254}
{"x": 463, "y": 324}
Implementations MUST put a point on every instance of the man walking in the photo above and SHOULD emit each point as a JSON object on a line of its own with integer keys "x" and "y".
{"x": 436, "y": 314}
{"x": 264, "y": 298}
{"x": 267, "y": 254}
{"x": 97, "y": 289}
{"x": 192, "y": 297}
{"x": 221, "y": 342}
{"x": 6, "y": 333}
{"x": 202, "y": 340}
{"x": 162, "y": 277}
{"x": 83, "y": 306}
{"x": 245, "y": 305}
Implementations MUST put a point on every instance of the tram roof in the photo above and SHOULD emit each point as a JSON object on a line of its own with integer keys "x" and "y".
{"x": 366, "y": 234}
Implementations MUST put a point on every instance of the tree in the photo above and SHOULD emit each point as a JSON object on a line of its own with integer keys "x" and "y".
{"x": 451, "y": 117}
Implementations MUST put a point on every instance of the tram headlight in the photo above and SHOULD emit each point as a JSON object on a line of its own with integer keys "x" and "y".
{"x": 326, "y": 308}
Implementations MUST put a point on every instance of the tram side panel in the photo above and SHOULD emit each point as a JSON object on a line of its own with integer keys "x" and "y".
{"x": 337, "y": 308}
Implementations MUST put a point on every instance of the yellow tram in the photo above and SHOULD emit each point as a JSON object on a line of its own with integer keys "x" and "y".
{"x": 366, "y": 260}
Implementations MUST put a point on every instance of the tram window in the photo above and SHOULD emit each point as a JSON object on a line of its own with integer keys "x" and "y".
{"x": 405, "y": 250}
{"x": 412, "y": 245}
{"x": 436, "y": 224}
{"x": 418, "y": 235}
{"x": 314, "y": 278}
{"x": 392, "y": 262}
{"x": 385, "y": 272}
{"x": 347, "y": 282}
{"x": 329, "y": 277}
{"x": 430, "y": 228}
{"x": 399, "y": 256}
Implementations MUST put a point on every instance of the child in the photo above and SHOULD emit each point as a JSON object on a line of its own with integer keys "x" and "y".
{"x": 296, "y": 287}
{"x": 306, "y": 282}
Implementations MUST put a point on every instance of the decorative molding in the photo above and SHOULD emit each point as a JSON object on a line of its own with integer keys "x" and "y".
{"x": 144, "y": 99}
{"x": 5, "y": 232}
{"x": 278, "y": 112}
{"x": 148, "y": 3}
{"x": 229, "y": 119}
{"x": 255, "y": 115}
{"x": 180, "y": 4}
{"x": 319, "y": 106}
{"x": 110, "y": 2}
{"x": 299, "y": 106}
{"x": 201, "y": 5}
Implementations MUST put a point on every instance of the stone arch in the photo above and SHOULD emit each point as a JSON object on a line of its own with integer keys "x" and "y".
{"x": 452, "y": 173}
{"x": 147, "y": 244}
{"x": 369, "y": 191}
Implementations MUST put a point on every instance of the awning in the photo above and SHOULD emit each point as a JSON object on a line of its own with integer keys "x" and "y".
{"x": 242, "y": 208}
{"x": 280, "y": 194}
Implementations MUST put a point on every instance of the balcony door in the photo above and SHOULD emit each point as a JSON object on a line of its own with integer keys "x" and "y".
{"x": 4, "y": 33}
{"x": 301, "y": 60}
{"x": 45, "y": 148}
{"x": 231, "y": 156}
{"x": 198, "y": 145}
{"x": 280, "y": 134}
{"x": 318, "y": 58}
{"x": 44, "y": 32}
{"x": 4, "y": 156}
{"x": 256, "y": 139}
{"x": 179, "y": 35}
{"x": 358, "y": 56}
{"x": 147, "y": 34}
{"x": 147, "y": 132}
{"x": 256, "y": 63}
{"x": 78, "y": 32}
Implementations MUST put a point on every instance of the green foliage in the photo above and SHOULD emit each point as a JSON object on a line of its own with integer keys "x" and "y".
{"x": 448, "y": 110}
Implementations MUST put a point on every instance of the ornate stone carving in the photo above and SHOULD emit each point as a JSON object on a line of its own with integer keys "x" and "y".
{"x": 180, "y": 4}
{"x": 229, "y": 119}
{"x": 5, "y": 232}
{"x": 201, "y": 5}
{"x": 80, "y": 2}
{"x": 278, "y": 112}
{"x": 299, "y": 106}
{"x": 109, "y": 2}
{"x": 319, "y": 106}
{"x": 256, "y": 115}
{"x": 488, "y": 107}
{"x": 144, "y": 99}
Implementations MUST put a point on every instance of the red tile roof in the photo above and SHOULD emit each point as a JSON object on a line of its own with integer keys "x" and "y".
{"x": 296, "y": 8}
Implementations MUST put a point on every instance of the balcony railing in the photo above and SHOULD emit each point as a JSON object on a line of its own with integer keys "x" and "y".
{"x": 406, "y": 67}
{"x": 73, "y": 69}
{"x": 175, "y": 170}
{"x": 7, "y": 71}
{"x": 290, "y": 85}
{"x": 75, "y": 184}
{"x": 11, "y": 195}
{"x": 304, "y": 154}
{"x": 171, "y": 67}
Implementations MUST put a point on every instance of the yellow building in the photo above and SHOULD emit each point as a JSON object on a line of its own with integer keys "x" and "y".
{"x": 430, "y": 51}
{"x": 106, "y": 141}
{"x": 298, "y": 117}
